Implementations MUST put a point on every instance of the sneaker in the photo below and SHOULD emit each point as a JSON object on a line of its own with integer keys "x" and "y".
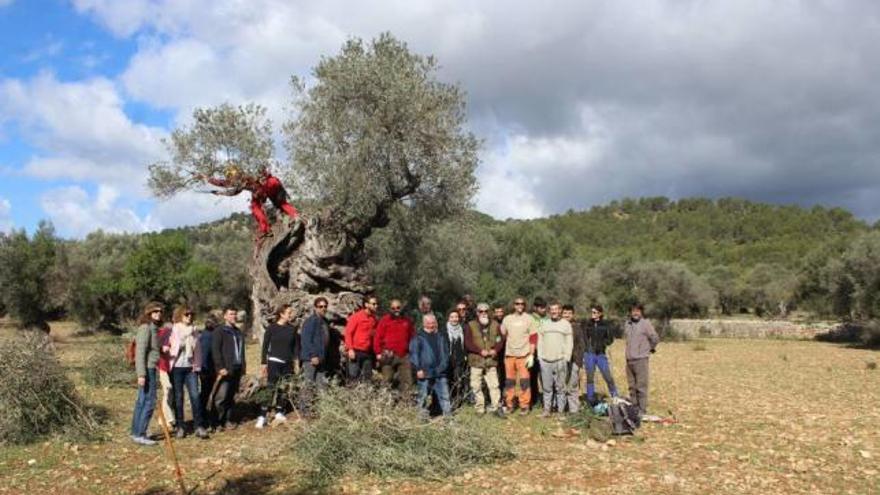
{"x": 180, "y": 433}
{"x": 499, "y": 413}
{"x": 545, "y": 413}
{"x": 261, "y": 422}
{"x": 144, "y": 441}
{"x": 523, "y": 411}
{"x": 280, "y": 418}
{"x": 229, "y": 426}
{"x": 201, "y": 432}
{"x": 481, "y": 412}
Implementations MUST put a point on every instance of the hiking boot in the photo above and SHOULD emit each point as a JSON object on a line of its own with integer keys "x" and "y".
{"x": 480, "y": 412}
{"x": 280, "y": 418}
{"x": 545, "y": 413}
{"x": 230, "y": 426}
{"x": 261, "y": 422}
{"x": 180, "y": 433}
{"x": 499, "y": 413}
{"x": 201, "y": 432}
{"x": 523, "y": 411}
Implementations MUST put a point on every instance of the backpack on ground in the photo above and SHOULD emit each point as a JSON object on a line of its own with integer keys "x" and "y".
{"x": 625, "y": 419}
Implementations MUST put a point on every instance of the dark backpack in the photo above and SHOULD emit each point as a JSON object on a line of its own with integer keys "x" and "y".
{"x": 625, "y": 418}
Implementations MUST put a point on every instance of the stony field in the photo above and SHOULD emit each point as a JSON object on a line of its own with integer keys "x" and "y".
{"x": 753, "y": 416}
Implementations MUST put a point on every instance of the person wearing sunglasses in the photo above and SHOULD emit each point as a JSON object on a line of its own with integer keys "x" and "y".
{"x": 598, "y": 336}
{"x": 391, "y": 346}
{"x": 359, "y": 332}
{"x": 521, "y": 331}
{"x": 183, "y": 354}
{"x": 483, "y": 341}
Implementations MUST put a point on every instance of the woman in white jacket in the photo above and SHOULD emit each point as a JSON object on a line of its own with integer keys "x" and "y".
{"x": 185, "y": 365}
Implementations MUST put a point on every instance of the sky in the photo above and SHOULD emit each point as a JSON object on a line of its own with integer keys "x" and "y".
{"x": 579, "y": 102}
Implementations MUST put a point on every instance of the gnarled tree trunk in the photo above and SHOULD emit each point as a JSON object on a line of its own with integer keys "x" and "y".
{"x": 302, "y": 261}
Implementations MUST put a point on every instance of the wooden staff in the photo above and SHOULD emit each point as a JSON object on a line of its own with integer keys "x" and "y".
{"x": 214, "y": 392}
{"x": 170, "y": 445}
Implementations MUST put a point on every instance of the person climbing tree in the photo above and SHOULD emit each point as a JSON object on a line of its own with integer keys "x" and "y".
{"x": 263, "y": 187}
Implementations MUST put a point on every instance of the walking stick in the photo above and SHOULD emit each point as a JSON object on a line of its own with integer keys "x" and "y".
{"x": 214, "y": 392}
{"x": 170, "y": 445}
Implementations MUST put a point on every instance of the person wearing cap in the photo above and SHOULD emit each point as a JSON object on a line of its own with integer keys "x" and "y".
{"x": 483, "y": 341}
{"x": 641, "y": 342}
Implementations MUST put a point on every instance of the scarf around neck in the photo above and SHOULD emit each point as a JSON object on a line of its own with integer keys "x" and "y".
{"x": 455, "y": 332}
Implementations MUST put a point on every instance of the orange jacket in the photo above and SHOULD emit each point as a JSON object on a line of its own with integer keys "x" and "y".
{"x": 359, "y": 331}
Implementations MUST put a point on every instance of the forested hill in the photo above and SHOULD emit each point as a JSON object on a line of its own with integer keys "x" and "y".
{"x": 684, "y": 257}
{"x": 705, "y": 233}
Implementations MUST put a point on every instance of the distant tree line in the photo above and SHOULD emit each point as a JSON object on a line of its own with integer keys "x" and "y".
{"x": 691, "y": 257}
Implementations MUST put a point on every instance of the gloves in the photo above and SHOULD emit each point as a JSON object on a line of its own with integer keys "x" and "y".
{"x": 530, "y": 361}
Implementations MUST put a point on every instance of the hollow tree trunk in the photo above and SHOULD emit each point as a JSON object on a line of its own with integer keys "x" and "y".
{"x": 301, "y": 262}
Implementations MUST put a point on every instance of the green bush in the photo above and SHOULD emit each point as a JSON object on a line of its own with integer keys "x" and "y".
{"x": 363, "y": 430}
{"x": 109, "y": 369}
{"x": 36, "y": 397}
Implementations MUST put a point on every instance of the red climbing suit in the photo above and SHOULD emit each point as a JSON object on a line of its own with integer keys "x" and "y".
{"x": 268, "y": 188}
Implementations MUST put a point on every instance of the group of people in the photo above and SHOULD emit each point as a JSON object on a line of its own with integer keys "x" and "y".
{"x": 473, "y": 351}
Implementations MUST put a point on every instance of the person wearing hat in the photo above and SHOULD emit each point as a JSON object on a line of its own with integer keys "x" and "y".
{"x": 484, "y": 342}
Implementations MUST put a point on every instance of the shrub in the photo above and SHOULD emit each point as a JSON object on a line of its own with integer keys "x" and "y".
{"x": 109, "y": 369}
{"x": 363, "y": 430}
{"x": 36, "y": 397}
{"x": 595, "y": 427}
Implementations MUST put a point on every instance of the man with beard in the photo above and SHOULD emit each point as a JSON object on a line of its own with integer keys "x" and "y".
{"x": 483, "y": 341}
{"x": 520, "y": 330}
{"x": 425, "y": 308}
{"x": 359, "y": 332}
{"x": 391, "y": 346}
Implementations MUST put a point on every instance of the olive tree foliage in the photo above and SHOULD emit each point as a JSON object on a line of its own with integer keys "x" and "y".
{"x": 218, "y": 138}
{"x": 377, "y": 128}
{"x": 26, "y": 274}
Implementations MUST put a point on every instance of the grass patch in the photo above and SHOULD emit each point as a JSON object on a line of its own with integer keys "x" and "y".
{"x": 699, "y": 346}
{"x": 36, "y": 397}
{"x": 362, "y": 430}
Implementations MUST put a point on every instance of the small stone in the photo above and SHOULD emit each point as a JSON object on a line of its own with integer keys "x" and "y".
{"x": 32, "y": 462}
{"x": 865, "y": 454}
{"x": 611, "y": 443}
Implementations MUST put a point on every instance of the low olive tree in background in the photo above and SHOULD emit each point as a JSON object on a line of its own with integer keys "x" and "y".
{"x": 26, "y": 275}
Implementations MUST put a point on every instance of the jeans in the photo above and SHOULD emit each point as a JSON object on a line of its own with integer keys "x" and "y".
{"x": 440, "y": 387}
{"x": 185, "y": 378}
{"x": 143, "y": 407}
{"x": 209, "y": 412}
{"x": 361, "y": 367}
{"x": 553, "y": 375}
{"x": 591, "y": 361}
{"x": 314, "y": 378}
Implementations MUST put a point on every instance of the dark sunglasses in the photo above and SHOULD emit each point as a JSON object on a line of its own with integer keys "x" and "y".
{"x": 321, "y": 306}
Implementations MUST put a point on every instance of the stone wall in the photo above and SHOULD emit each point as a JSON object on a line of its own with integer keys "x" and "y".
{"x": 760, "y": 329}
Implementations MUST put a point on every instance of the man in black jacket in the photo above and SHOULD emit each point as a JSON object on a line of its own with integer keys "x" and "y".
{"x": 599, "y": 335}
{"x": 229, "y": 361}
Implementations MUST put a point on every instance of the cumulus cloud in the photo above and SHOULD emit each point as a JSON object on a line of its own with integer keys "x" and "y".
{"x": 75, "y": 213}
{"x": 580, "y": 101}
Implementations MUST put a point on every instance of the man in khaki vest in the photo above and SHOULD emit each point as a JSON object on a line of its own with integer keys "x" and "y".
{"x": 484, "y": 342}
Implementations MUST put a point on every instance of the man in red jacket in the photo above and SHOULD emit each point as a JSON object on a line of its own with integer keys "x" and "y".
{"x": 391, "y": 345}
{"x": 264, "y": 187}
{"x": 359, "y": 332}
